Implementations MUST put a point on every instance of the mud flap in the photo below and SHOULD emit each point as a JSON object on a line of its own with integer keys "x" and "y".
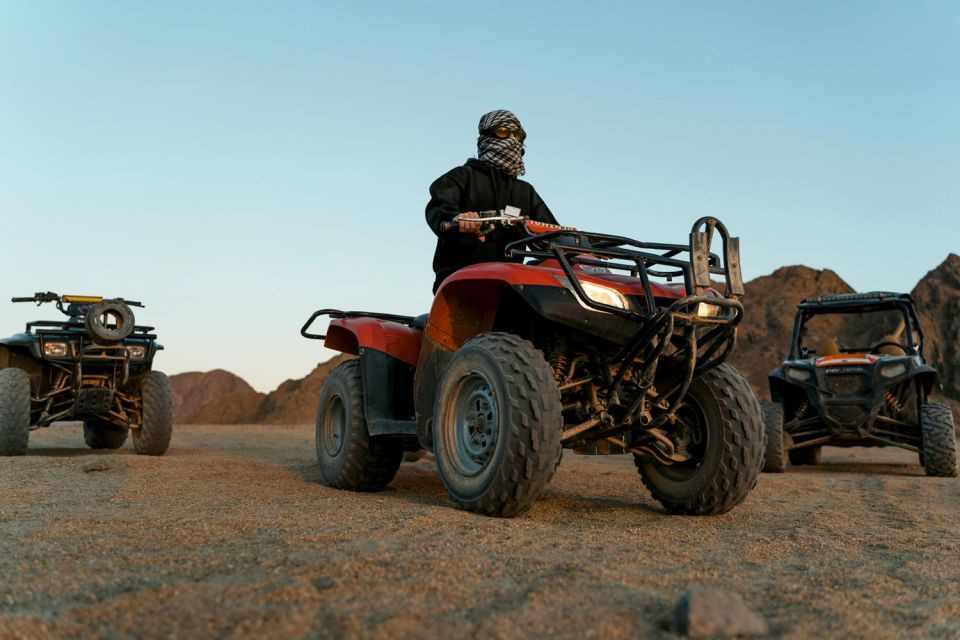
{"x": 388, "y": 394}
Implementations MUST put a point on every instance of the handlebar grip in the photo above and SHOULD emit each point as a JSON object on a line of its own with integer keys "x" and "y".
{"x": 447, "y": 226}
{"x": 31, "y": 299}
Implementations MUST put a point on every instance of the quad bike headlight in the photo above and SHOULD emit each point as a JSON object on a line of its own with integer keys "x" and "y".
{"x": 56, "y": 349}
{"x": 707, "y": 310}
{"x": 604, "y": 295}
{"x": 893, "y": 370}
{"x": 795, "y": 373}
{"x": 137, "y": 351}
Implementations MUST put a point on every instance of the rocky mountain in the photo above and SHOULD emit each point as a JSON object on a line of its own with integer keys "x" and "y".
{"x": 216, "y": 396}
{"x": 222, "y": 398}
{"x": 938, "y": 300}
{"x": 295, "y": 401}
{"x": 770, "y": 304}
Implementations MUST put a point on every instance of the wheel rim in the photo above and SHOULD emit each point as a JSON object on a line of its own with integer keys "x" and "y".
{"x": 692, "y": 438}
{"x": 334, "y": 426}
{"x": 474, "y": 427}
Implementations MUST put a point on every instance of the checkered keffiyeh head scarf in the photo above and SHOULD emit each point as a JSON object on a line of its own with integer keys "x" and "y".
{"x": 504, "y": 153}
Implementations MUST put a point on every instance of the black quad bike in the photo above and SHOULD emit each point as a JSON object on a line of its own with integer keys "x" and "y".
{"x": 95, "y": 366}
{"x": 856, "y": 377}
{"x": 588, "y": 346}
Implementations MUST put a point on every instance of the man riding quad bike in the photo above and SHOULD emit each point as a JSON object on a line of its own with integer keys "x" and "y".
{"x": 580, "y": 348}
{"x": 856, "y": 377}
{"x": 95, "y": 366}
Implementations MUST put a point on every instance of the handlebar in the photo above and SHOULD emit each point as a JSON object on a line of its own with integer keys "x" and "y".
{"x": 492, "y": 218}
{"x": 40, "y": 297}
{"x": 489, "y": 216}
{"x": 489, "y": 220}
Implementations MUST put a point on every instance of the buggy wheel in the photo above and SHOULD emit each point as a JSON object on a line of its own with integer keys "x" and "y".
{"x": 350, "y": 458}
{"x": 718, "y": 424}
{"x": 939, "y": 457}
{"x": 809, "y": 455}
{"x": 774, "y": 457}
{"x": 14, "y": 411}
{"x": 497, "y": 425}
{"x": 153, "y": 436}
{"x": 100, "y": 434}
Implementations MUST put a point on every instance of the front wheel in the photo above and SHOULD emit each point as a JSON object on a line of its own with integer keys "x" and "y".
{"x": 350, "y": 458}
{"x": 718, "y": 425}
{"x": 14, "y": 411}
{"x": 939, "y": 450}
{"x": 100, "y": 434}
{"x": 152, "y": 437}
{"x": 497, "y": 425}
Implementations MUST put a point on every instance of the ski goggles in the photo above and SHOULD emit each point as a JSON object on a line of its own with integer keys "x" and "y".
{"x": 505, "y": 132}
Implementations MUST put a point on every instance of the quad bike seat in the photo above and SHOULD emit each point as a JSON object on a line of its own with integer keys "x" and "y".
{"x": 420, "y": 322}
{"x": 893, "y": 349}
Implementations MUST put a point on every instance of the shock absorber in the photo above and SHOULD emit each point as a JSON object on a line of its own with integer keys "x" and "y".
{"x": 558, "y": 360}
{"x": 893, "y": 402}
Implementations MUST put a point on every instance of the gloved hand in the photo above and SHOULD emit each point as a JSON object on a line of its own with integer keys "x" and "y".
{"x": 470, "y": 223}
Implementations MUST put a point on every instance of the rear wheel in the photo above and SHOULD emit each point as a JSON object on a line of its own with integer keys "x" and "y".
{"x": 153, "y": 436}
{"x": 809, "y": 455}
{"x": 350, "y": 458}
{"x": 497, "y": 425}
{"x": 14, "y": 411}
{"x": 774, "y": 455}
{"x": 939, "y": 457}
{"x": 100, "y": 434}
{"x": 720, "y": 423}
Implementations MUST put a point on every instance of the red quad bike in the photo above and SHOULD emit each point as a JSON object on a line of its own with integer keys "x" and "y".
{"x": 587, "y": 346}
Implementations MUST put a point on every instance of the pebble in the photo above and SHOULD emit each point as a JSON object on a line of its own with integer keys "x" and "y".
{"x": 706, "y": 612}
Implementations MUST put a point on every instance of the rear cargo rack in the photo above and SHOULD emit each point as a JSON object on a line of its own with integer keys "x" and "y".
{"x": 337, "y": 313}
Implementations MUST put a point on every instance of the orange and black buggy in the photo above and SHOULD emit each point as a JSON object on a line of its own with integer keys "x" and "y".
{"x": 586, "y": 341}
{"x": 856, "y": 376}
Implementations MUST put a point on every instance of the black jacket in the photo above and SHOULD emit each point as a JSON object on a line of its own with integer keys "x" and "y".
{"x": 477, "y": 186}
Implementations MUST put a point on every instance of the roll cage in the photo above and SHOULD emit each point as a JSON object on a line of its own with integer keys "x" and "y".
{"x": 841, "y": 303}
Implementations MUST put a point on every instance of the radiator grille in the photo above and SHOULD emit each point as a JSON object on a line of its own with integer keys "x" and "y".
{"x": 844, "y": 384}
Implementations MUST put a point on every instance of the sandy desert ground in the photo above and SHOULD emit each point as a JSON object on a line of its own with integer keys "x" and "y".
{"x": 230, "y": 536}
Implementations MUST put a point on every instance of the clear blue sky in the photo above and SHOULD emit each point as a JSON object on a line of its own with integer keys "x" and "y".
{"x": 239, "y": 164}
